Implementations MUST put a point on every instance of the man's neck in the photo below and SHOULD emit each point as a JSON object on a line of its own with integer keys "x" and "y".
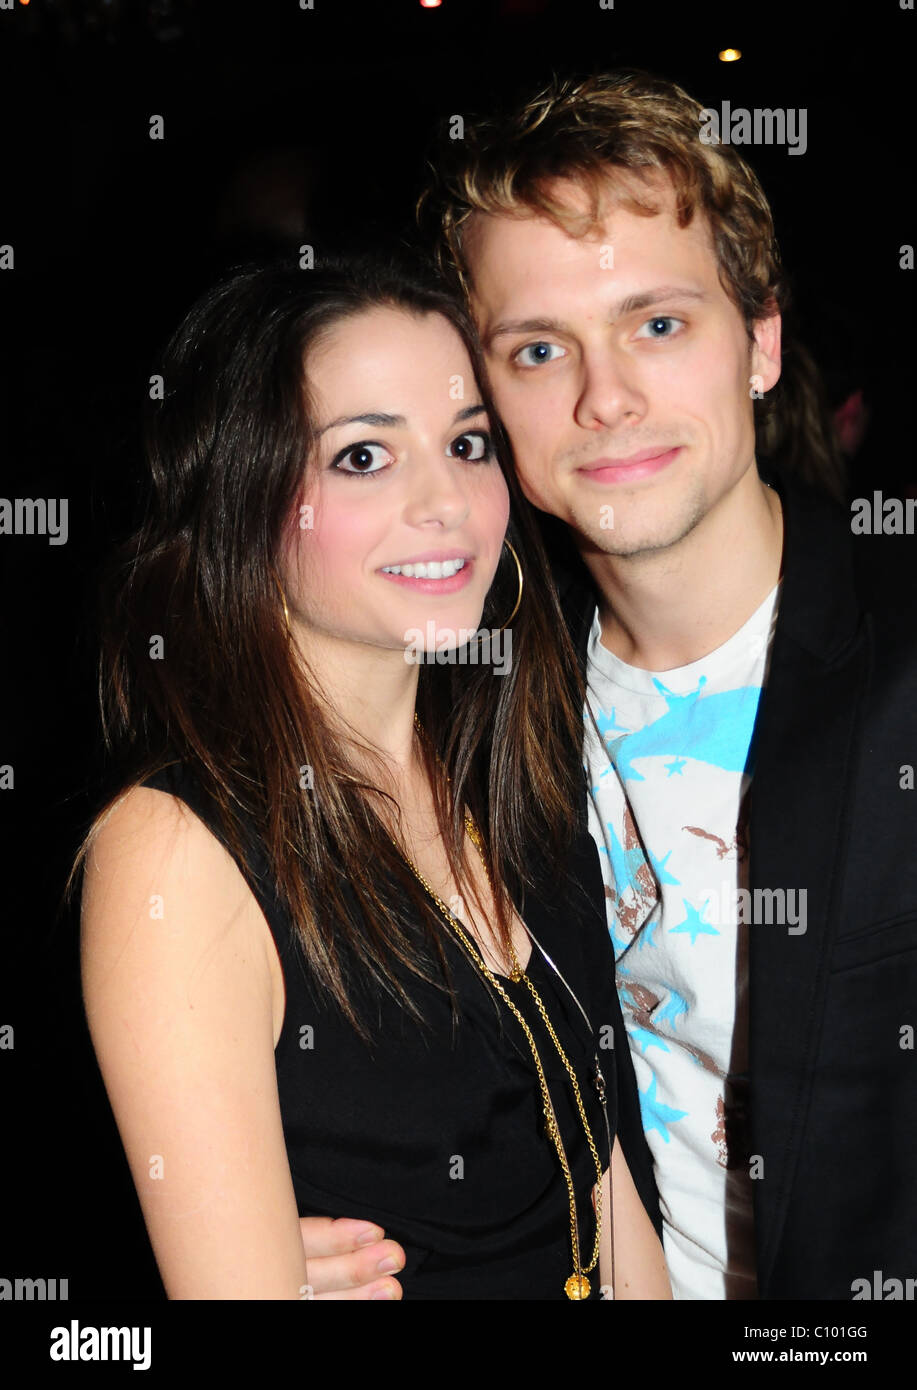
{"x": 667, "y": 608}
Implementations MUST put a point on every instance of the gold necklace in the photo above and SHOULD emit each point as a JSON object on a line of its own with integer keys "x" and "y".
{"x": 577, "y": 1286}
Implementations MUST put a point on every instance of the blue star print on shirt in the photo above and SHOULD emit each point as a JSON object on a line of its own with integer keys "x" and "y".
{"x": 625, "y": 864}
{"x": 659, "y": 869}
{"x": 638, "y": 1034}
{"x": 672, "y": 1009}
{"x": 608, "y": 723}
{"x": 655, "y": 1114}
{"x": 714, "y": 730}
{"x": 693, "y": 924}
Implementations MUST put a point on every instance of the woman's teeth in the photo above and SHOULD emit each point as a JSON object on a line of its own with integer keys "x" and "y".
{"x": 431, "y": 569}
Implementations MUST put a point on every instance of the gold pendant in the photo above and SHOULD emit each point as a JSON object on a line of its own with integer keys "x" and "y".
{"x": 515, "y": 974}
{"x": 577, "y": 1286}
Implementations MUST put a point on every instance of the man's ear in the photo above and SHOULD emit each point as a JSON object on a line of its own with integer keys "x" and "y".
{"x": 765, "y": 354}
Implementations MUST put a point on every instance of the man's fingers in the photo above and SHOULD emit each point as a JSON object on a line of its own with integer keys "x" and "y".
{"x": 348, "y": 1258}
{"x": 323, "y": 1235}
{"x": 337, "y": 1275}
{"x": 388, "y": 1289}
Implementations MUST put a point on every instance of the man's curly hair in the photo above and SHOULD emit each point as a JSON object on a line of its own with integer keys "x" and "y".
{"x": 614, "y": 134}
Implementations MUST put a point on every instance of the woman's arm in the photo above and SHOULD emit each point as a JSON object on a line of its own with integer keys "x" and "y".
{"x": 640, "y": 1268}
{"x": 177, "y": 990}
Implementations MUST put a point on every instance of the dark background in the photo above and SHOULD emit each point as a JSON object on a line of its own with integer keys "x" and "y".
{"x": 285, "y": 126}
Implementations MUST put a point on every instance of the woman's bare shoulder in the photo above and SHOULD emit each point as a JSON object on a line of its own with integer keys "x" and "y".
{"x": 177, "y": 990}
{"x": 154, "y": 860}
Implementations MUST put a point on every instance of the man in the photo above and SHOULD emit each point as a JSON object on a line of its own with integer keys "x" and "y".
{"x": 751, "y": 672}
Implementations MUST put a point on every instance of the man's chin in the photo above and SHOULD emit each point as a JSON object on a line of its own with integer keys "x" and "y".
{"x": 631, "y": 539}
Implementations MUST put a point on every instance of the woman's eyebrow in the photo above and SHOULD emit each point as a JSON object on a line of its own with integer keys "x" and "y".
{"x": 369, "y": 417}
{"x": 468, "y": 412}
{"x": 379, "y": 417}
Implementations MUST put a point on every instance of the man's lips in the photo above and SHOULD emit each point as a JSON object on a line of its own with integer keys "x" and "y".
{"x": 641, "y": 465}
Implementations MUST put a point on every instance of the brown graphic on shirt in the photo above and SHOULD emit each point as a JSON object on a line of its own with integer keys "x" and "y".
{"x": 722, "y": 848}
{"x": 634, "y": 906}
{"x": 739, "y": 840}
{"x": 644, "y": 1002}
{"x": 731, "y": 1133}
{"x": 640, "y": 1006}
{"x": 702, "y": 1058}
{"x": 719, "y": 1134}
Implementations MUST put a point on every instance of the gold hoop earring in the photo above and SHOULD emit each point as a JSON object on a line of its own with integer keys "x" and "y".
{"x": 521, "y": 585}
{"x": 283, "y": 600}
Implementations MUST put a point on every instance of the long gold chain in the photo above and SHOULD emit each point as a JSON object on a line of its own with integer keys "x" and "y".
{"x": 577, "y": 1286}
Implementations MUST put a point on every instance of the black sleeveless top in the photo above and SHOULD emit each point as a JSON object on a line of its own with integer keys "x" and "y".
{"x": 438, "y": 1135}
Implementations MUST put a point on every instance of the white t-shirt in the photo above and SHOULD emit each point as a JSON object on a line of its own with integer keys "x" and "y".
{"x": 668, "y": 811}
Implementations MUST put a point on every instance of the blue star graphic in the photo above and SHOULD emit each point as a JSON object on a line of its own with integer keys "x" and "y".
{"x": 608, "y": 723}
{"x": 625, "y": 864}
{"x": 638, "y": 1034}
{"x": 658, "y": 867}
{"x": 618, "y": 944}
{"x": 672, "y": 1009}
{"x": 655, "y": 1114}
{"x": 693, "y": 925}
{"x": 645, "y": 934}
{"x": 715, "y": 729}
{"x": 675, "y": 765}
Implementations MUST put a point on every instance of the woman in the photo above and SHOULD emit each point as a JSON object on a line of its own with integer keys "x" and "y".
{"x": 316, "y": 993}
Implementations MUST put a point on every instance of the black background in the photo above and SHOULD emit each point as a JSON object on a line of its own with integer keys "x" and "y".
{"x": 285, "y": 126}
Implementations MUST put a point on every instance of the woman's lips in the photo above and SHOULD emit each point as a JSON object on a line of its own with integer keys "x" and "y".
{"x": 434, "y": 586}
{"x": 640, "y": 466}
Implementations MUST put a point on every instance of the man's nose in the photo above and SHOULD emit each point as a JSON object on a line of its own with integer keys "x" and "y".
{"x": 608, "y": 390}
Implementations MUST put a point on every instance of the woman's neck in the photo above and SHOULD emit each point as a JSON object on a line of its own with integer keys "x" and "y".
{"x": 371, "y": 694}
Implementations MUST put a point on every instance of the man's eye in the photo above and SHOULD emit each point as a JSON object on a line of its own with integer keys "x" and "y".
{"x": 473, "y": 447}
{"x": 537, "y": 353}
{"x": 362, "y": 457}
{"x": 658, "y": 326}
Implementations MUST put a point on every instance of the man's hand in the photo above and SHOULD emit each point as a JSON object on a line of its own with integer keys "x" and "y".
{"x": 350, "y": 1259}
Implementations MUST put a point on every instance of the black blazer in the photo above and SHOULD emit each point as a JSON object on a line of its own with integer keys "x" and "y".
{"x": 833, "y": 1081}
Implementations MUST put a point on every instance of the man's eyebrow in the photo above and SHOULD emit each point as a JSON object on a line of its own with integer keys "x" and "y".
{"x": 662, "y": 294}
{"x": 629, "y": 305}
{"x": 379, "y": 417}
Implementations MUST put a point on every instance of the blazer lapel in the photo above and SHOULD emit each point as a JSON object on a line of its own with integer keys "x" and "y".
{"x": 802, "y": 755}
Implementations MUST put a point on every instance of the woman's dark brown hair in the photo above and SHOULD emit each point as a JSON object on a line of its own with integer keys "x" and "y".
{"x": 228, "y": 449}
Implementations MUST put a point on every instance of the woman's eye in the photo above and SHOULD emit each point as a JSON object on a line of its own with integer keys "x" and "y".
{"x": 538, "y": 353}
{"x": 657, "y": 326}
{"x": 473, "y": 447}
{"x": 361, "y": 457}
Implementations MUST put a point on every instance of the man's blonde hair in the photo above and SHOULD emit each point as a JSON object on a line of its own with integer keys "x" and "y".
{"x": 626, "y": 125}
